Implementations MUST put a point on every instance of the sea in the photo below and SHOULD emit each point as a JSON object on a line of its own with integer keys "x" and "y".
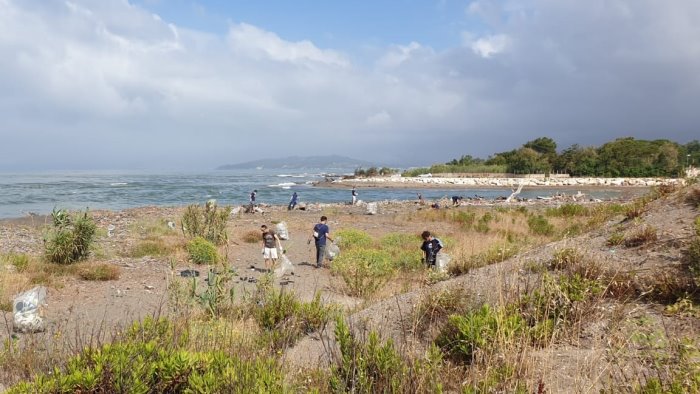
{"x": 23, "y": 194}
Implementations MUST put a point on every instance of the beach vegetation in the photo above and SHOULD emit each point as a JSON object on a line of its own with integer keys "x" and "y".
{"x": 98, "y": 272}
{"x": 644, "y": 235}
{"x": 151, "y": 247}
{"x": 363, "y": 270}
{"x": 539, "y": 225}
{"x": 374, "y": 171}
{"x": 693, "y": 197}
{"x": 252, "y": 236}
{"x": 352, "y": 238}
{"x": 208, "y": 221}
{"x": 70, "y": 238}
{"x": 202, "y": 251}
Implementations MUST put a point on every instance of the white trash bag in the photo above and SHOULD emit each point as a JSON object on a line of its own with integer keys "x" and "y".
{"x": 281, "y": 230}
{"x": 372, "y": 208}
{"x": 285, "y": 266}
{"x": 28, "y": 310}
{"x": 332, "y": 251}
{"x": 442, "y": 261}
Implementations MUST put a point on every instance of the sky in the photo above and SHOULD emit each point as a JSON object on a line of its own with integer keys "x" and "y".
{"x": 194, "y": 84}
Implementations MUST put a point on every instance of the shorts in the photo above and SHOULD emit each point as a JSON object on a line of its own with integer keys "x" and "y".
{"x": 270, "y": 253}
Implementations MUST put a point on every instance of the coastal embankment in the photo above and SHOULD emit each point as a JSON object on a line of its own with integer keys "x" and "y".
{"x": 435, "y": 181}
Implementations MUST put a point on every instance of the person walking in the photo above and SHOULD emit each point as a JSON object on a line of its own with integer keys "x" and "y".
{"x": 430, "y": 247}
{"x": 292, "y": 202}
{"x": 320, "y": 233}
{"x": 270, "y": 242}
{"x": 354, "y": 195}
{"x": 251, "y": 202}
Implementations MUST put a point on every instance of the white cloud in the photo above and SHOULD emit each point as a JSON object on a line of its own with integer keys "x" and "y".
{"x": 489, "y": 45}
{"x": 251, "y": 40}
{"x": 381, "y": 118}
{"x": 86, "y": 81}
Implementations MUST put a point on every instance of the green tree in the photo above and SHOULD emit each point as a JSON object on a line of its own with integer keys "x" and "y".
{"x": 528, "y": 161}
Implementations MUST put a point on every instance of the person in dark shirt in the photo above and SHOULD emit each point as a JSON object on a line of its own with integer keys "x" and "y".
{"x": 292, "y": 202}
{"x": 354, "y": 195}
{"x": 270, "y": 242}
{"x": 321, "y": 232}
{"x": 431, "y": 246}
{"x": 456, "y": 200}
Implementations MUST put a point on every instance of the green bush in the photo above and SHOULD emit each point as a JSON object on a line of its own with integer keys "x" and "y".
{"x": 152, "y": 365}
{"x": 70, "y": 238}
{"x": 202, "y": 251}
{"x": 568, "y": 210}
{"x": 403, "y": 249}
{"x": 615, "y": 239}
{"x": 363, "y": 270}
{"x": 19, "y": 261}
{"x": 697, "y": 226}
{"x": 478, "y": 329}
{"x": 540, "y": 225}
{"x": 351, "y": 238}
{"x": 565, "y": 258}
{"x": 208, "y": 222}
{"x": 373, "y": 366}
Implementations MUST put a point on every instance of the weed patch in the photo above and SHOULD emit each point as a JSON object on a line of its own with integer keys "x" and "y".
{"x": 71, "y": 237}
{"x": 208, "y": 222}
{"x": 202, "y": 251}
{"x": 363, "y": 270}
{"x": 643, "y": 236}
{"x": 98, "y": 272}
{"x": 539, "y": 225}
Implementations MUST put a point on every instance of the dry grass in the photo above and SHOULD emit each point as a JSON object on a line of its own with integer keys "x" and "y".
{"x": 641, "y": 237}
{"x": 251, "y": 236}
{"x": 693, "y": 197}
{"x": 98, "y": 271}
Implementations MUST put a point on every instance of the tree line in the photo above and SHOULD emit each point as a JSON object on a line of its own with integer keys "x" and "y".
{"x": 623, "y": 157}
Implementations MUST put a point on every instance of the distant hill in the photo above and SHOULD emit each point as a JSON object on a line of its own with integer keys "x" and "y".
{"x": 301, "y": 162}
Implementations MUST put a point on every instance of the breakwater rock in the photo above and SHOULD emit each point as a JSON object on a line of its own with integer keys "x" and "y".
{"x": 514, "y": 182}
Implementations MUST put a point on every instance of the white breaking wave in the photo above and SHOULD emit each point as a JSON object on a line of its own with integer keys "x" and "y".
{"x": 118, "y": 184}
{"x": 283, "y": 185}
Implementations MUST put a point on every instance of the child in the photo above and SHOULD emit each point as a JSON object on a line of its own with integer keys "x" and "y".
{"x": 431, "y": 246}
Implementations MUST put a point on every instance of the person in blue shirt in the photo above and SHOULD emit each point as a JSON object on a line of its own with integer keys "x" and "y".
{"x": 321, "y": 232}
{"x": 292, "y": 202}
{"x": 431, "y": 246}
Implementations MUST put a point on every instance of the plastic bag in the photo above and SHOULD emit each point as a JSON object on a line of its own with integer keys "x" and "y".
{"x": 28, "y": 310}
{"x": 281, "y": 230}
{"x": 372, "y": 208}
{"x": 285, "y": 266}
{"x": 442, "y": 261}
{"x": 332, "y": 251}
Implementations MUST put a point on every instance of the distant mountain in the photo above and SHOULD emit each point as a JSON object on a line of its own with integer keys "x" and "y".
{"x": 301, "y": 162}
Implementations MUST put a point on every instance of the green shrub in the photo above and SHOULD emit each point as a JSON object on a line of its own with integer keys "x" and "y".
{"x": 208, "y": 222}
{"x": 478, "y": 329}
{"x": 697, "y": 226}
{"x": 19, "y": 261}
{"x": 466, "y": 219}
{"x": 540, "y": 225}
{"x": 202, "y": 251}
{"x": 568, "y": 210}
{"x": 140, "y": 365}
{"x": 351, "y": 238}
{"x": 70, "y": 238}
{"x": 363, "y": 270}
{"x": 403, "y": 249}
{"x": 373, "y": 366}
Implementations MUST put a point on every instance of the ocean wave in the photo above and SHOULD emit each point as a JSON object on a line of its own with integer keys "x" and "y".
{"x": 292, "y": 176}
{"x": 283, "y": 185}
{"x": 119, "y": 184}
